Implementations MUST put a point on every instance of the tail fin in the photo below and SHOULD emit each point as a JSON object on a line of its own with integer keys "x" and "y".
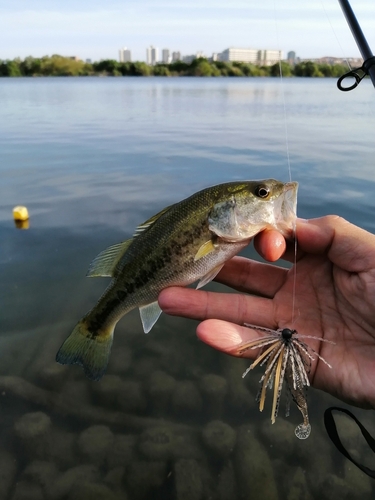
{"x": 87, "y": 350}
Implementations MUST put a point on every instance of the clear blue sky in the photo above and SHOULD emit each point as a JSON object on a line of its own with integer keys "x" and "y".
{"x": 96, "y": 29}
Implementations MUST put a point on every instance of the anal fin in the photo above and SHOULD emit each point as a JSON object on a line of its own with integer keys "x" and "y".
{"x": 209, "y": 276}
{"x": 149, "y": 315}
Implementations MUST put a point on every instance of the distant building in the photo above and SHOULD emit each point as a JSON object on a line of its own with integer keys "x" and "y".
{"x": 353, "y": 62}
{"x": 188, "y": 59}
{"x": 269, "y": 57}
{"x": 176, "y": 56}
{"x": 254, "y": 56}
{"x": 239, "y": 55}
{"x": 197, "y": 55}
{"x": 152, "y": 55}
{"x": 291, "y": 57}
{"x": 88, "y": 61}
{"x": 125, "y": 55}
{"x": 74, "y": 58}
{"x": 165, "y": 56}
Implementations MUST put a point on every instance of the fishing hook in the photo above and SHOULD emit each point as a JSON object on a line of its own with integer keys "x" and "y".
{"x": 357, "y": 73}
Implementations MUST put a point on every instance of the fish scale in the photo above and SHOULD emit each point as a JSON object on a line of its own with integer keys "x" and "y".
{"x": 186, "y": 242}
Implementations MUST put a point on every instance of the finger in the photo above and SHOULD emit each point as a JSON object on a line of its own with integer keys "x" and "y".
{"x": 245, "y": 275}
{"x": 198, "y": 304}
{"x": 270, "y": 244}
{"x": 346, "y": 245}
{"x": 227, "y": 337}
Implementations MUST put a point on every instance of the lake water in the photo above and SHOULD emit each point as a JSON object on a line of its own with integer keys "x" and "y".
{"x": 93, "y": 157}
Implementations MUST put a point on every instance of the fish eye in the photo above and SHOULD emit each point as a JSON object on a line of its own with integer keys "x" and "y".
{"x": 262, "y": 191}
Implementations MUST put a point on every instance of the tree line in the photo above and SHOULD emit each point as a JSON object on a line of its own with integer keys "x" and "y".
{"x": 57, "y": 65}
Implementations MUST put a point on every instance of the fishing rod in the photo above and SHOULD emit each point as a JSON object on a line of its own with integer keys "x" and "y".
{"x": 368, "y": 66}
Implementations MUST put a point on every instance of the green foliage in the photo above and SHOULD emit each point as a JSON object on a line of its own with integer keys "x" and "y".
{"x": 161, "y": 70}
{"x": 201, "y": 67}
{"x": 57, "y": 65}
{"x": 285, "y": 69}
{"x": 10, "y": 68}
{"x": 307, "y": 68}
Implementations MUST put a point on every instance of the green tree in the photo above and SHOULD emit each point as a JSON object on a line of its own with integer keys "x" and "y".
{"x": 107, "y": 66}
{"x": 286, "y": 70}
{"x": 307, "y": 68}
{"x": 10, "y": 68}
{"x": 161, "y": 70}
{"x": 141, "y": 69}
{"x": 179, "y": 67}
{"x": 201, "y": 67}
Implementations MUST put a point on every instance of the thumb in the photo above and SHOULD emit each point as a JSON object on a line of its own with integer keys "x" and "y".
{"x": 346, "y": 245}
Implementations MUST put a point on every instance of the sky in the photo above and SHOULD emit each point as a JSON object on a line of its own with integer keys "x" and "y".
{"x": 97, "y": 29}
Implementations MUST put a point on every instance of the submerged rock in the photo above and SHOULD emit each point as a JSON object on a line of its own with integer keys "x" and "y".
{"x": 8, "y": 471}
{"x": 220, "y": 439}
{"x": 160, "y": 388}
{"x": 121, "y": 451}
{"x": 64, "y": 447}
{"x": 298, "y": 488}
{"x": 188, "y": 480}
{"x": 71, "y": 479}
{"x": 226, "y": 485}
{"x": 281, "y": 437}
{"x": 107, "y": 391}
{"x": 114, "y": 479}
{"x": 186, "y": 399}
{"x": 121, "y": 360}
{"x": 26, "y": 490}
{"x": 253, "y": 467}
{"x": 33, "y": 430}
{"x": 89, "y": 491}
{"x": 214, "y": 389}
{"x": 94, "y": 443}
{"x": 52, "y": 376}
{"x": 157, "y": 443}
{"x": 131, "y": 398}
{"x": 41, "y": 473}
{"x": 142, "y": 478}
{"x": 359, "y": 484}
{"x": 187, "y": 445}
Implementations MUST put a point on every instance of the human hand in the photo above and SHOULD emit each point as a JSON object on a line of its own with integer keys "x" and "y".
{"x": 334, "y": 298}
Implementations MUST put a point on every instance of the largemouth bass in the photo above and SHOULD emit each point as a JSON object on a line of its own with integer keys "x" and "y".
{"x": 186, "y": 242}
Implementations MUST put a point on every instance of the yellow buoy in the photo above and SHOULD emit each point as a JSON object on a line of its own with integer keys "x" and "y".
{"x": 20, "y": 213}
{"x": 21, "y": 217}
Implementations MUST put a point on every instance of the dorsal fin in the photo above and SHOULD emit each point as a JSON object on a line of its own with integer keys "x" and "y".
{"x": 105, "y": 263}
{"x": 149, "y": 222}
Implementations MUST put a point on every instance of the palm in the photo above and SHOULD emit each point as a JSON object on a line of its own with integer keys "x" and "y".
{"x": 322, "y": 309}
{"x": 332, "y": 297}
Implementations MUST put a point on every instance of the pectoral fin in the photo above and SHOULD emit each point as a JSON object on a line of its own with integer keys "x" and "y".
{"x": 209, "y": 276}
{"x": 105, "y": 263}
{"x": 149, "y": 315}
{"x": 205, "y": 249}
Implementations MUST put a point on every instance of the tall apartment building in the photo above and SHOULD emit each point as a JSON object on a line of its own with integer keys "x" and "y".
{"x": 291, "y": 57}
{"x": 176, "y": 56}
{"x": 269, "y": 57}
{"x": 151, "y": 55}
{"x": 165, "y": 56}
{"x": 125, "y": 55}
{"x": 254, "y": 56}
{"x": 239, "y": 55}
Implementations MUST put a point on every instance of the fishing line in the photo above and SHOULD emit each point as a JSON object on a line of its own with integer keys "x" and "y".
{"x": 335, "y": 34}
{"x": 288, "y": 158}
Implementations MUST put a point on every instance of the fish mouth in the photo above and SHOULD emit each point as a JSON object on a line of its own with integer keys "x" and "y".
{"x": 287, "y": 211}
